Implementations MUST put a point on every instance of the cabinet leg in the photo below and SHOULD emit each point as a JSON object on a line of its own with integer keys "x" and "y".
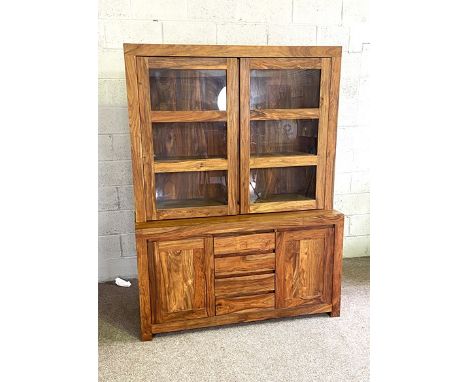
{"x": 146, "y": 335}
{"x": 335, "y": 311}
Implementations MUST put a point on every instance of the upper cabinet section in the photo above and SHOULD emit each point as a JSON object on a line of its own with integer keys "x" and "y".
{"x": 187, "y": 105}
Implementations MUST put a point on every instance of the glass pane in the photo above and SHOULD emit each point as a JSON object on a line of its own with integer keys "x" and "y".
{"x": 191, "y": 189}
{"x": 182, "y": 89}
{"x": 284, "y": 89}
{"x": 192, "y": 140}
{"x": 282, "y": 184}
{"x": 285, "y": 137}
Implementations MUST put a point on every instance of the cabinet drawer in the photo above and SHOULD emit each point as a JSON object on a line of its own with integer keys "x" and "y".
{"x": 238, "y": 286}
{"x": 232, "y": 265}
{"x": 225, "y": 305}
{"x": 244, "y": 243}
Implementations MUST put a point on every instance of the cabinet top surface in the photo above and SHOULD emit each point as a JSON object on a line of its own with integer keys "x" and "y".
{"x": 176, "y": 50}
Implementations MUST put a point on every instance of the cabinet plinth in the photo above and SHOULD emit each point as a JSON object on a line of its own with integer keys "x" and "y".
{"x": 233, "y": 151}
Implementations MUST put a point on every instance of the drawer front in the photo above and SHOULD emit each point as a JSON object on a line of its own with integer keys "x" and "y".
{"x": 238, "y": 286}
{"x": 226, "y": 305}
{"x": 237, "y": 265}
{"x": 244, "y": 243}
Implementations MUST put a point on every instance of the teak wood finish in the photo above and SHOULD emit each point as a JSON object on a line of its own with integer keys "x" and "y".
{"x": 207, "y": 254}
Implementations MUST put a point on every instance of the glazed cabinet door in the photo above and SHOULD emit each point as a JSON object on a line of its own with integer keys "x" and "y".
{"x": 304, "y": 263}
{"x": 189, "y": 126}
{"x": 283, "y": 133}
{"x": 181, "y": 279}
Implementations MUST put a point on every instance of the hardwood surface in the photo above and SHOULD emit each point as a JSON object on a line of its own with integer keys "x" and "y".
{"x": 244, "y": 285}
{"x": 226, "y": 305}
{"x": 246, "y": 264}
{"x": 264, "y": 242}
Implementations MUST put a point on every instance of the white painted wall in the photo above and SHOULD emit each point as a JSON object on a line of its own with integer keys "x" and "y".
{"x": 257, "y": 22}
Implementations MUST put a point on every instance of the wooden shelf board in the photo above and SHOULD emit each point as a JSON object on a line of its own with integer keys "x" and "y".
{"x": 276, "y": 114}
{"x": 283, "y": 160}
{"x": 190, "y": 165}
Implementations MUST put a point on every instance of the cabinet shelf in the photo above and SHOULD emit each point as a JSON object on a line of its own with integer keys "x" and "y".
{"x": 190, "y": 165}
{"x": 289, "y": 159}
{"x": 266, "y": 114}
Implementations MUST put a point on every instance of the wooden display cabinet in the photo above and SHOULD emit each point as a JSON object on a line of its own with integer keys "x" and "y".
{"x": 233, "y": 151}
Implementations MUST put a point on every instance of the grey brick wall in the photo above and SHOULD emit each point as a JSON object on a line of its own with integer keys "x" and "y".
{"x": 262, "y": 22}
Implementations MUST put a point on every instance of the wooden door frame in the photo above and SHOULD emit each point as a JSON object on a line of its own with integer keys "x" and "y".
{"x": 322, "y": 113}
{"x": 147, "y": 117}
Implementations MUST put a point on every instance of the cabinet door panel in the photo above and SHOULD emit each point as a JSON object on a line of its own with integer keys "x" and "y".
{"x": 183, "y": 285}
{"x": 304, "y": 267}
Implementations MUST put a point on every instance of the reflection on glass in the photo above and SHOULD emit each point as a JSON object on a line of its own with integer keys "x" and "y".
{"x": 282, "y": 184}
{"x": 284, "y": 88}
{"x": 186, "y": 89}
{"x": 191, "y": 189}
{"x": 284, "y": 137}
{"x": 189, "y": 140}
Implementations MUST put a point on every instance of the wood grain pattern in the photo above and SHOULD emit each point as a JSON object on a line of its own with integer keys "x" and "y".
{"x": 226, "y": 305}
{"x": 285, "y": 63}
{"x": 277, "y": 114}
{"x": 244, "y": 285}
{"x": 232, "y": 94}
{"x": 181, "y": 278}
{"x": 283, "y": 161}
{"x": 322, "y": 131}
{"x": 190, "y": 165}
{"x": 302, "y": 267}
{"x": 179, "y": 50}
{"x": 238, "y": 317}
{"x": 337, "y": 268}
{"x": 135, "y": 137}
{"x": 200, "y": 212}
{"x": 186, "y": 63}
{"x": 238, "y": 265}
{"x": 244, "y": 99}
{"x": 210, "y": 276}
{"x": 332, "y": 129}
{"x": 144, "y": 289}
{"x": 188, "y": 116}
{"x": 244, "y": 243}
{"x": 290, "y": 205}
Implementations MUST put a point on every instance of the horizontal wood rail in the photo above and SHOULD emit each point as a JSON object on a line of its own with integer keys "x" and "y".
{"x": 188, "y": 116}
{"x": 181, "y": 213}
{"x": 283, "y": 206}
{"x": 276, "y": 114}
{"x": 190, "y": 165}
{"x": 283, "y": 161}
{"x": 285, "y": 63}
{"x": 186, "y": 63}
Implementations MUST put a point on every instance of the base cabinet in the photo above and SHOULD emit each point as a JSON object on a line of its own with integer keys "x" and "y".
{"x": 209, "y": 277}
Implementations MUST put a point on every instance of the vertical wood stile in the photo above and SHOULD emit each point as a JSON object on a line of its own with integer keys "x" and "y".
{"x": 337, "y": 268}
{"x": 332, "y": 126}
{"x": 210, "y": 277}
{"x": 135, "y": 136}
{"x": 244, "y": 134}
{"x": 322, "y": 132}
{"x": 147, "y": 137}
{"x": 232, "y": 93}
{"x": 144, "y": 288}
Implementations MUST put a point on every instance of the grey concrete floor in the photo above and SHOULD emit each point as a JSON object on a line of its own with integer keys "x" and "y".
{"x": 308, "y": 348}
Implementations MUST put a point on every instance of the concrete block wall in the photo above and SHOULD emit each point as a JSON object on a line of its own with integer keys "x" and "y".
{"x": 257, "y": 22}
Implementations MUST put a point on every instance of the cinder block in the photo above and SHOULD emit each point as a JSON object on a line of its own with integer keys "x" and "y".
{"x": 317, "y": 12}
{"x": 131, "y": 31}
{"x": 113, "y": 120}
{"x": 112, "y": 92}
{"x": 360, "y": 182}
{"x": 126, "y": 200}
{"x": 105, "y": 147}
{"x": 121, "y": 147}
{"x": 109, "y": 247}
{"x": 355, "y": 11}
{"x": 125, "y": 267}
{"x": 111, "y": 63}
{"x": 115, "y": 173}
{"x": 119, "y": 9}
{"x": 333, "y": 35}
{"x": 176, "y": 32}
{"x": 361, "y": 160}
{"x": 159, "y": 9}
{"x": 128, "y": 245}
{"x": 264, "y": 11}
{"x": 356, "y": 246}
{"x": 352, "y": 204}
{"x": 246, "y": 34}
{"x": 215, "y": 10}
{"x": 359, "y": 225}
{"x": 116, "y": 222}
{"x": 359, "y": 34}
{"x": 344, "y": 161}
{"x": 342, "y": 183}
{"x": 292, "y": 35}
{"x": 108, "y": 198}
